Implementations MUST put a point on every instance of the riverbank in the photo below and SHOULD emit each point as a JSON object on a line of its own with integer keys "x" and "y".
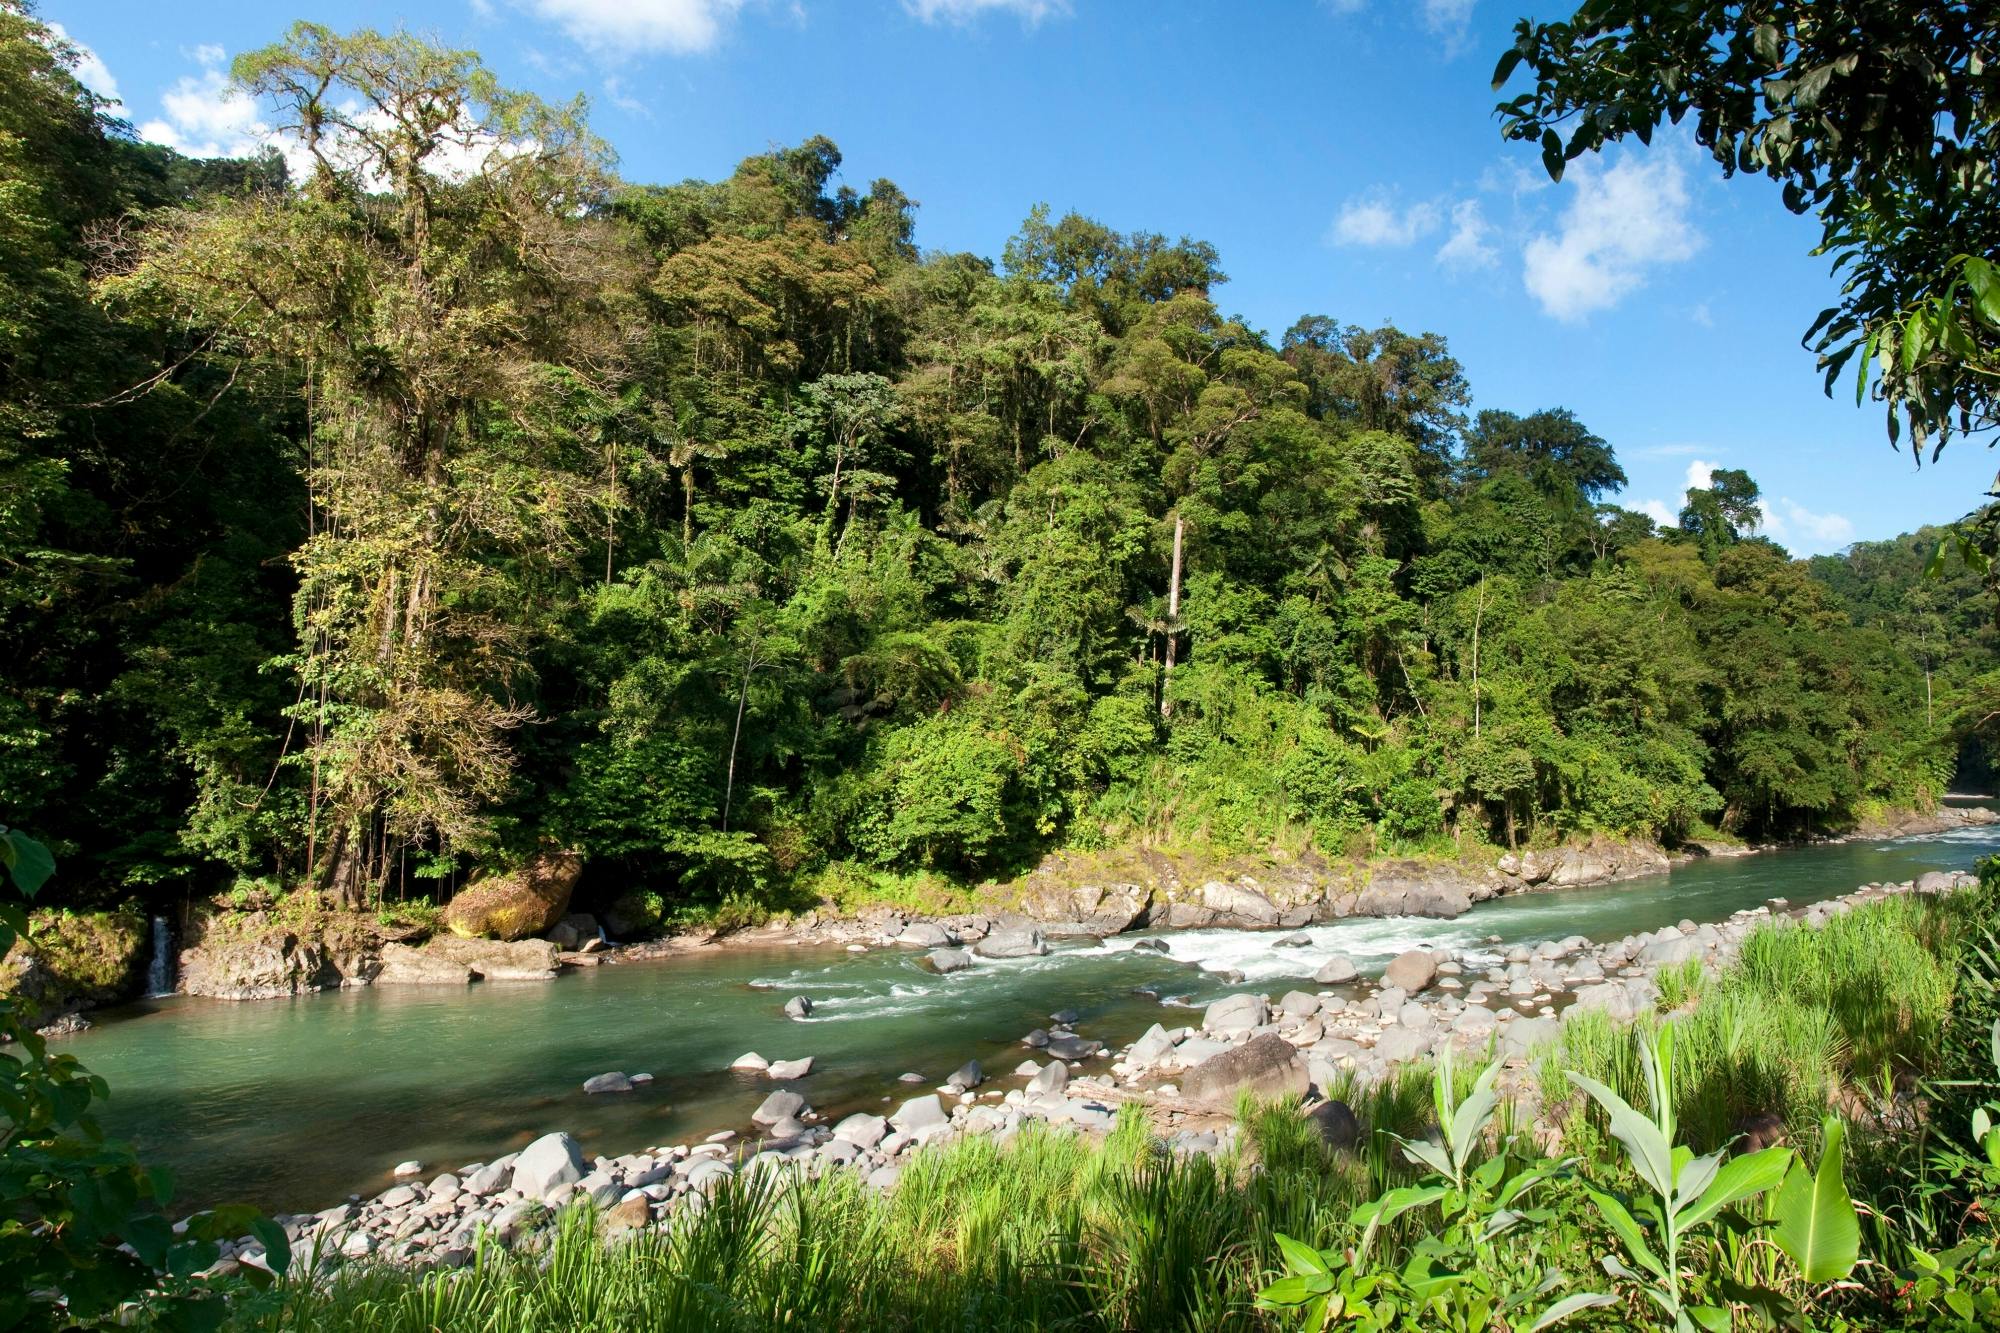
{"x": 1324, "y": 1044}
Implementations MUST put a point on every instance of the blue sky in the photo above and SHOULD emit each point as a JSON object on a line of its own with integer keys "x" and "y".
{"x": 1342, "y": 154}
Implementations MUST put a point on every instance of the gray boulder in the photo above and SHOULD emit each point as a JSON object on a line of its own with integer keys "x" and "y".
{"x": 1266, "y": 1067}
{"x": 862, "y": 1129}
{"x": 784, "y": 1069}
{"x": 608, "y": 1083}
{"x": 776, "y": 1107}
{"x": 1412, "y": 972}
{"x": 966, "y": 1077}
{"x": 1336, "y": 1124}
{"x": 946, "y": 961}
{"x": 1151, "y": 1048}
{"x": 548, "y": 1163}
{"x": 1053, "y": 1078}
{"x": 925, "y": 935}
{"x": 798, "y": 1007}
{"x": 1236, "y": 1013}
{"x": 1022, "y": 942}
{"x": 1336, "y": 970}
{"x": 1667, "y": 953}
{"x": 1074, "y": 1048}
{"x": 1299, "y": 1004}
{"x": 919, "y": 1114}
{"x": 1400, "y": 1044}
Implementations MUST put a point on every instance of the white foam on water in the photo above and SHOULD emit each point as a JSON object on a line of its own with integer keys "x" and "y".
{"x": 1369, "y": 942}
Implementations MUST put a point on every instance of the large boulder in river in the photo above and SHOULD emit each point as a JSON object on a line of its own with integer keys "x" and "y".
{"x": 1023, "y": 942}
{"x": 551, "y": 1161}
{"x": 499, "y": 960}
{"x": 516, "y": 904}
{"x": 1267, "y": 1067}
{"x": 403, "y": 965}
{"x": 1411, "y": 972}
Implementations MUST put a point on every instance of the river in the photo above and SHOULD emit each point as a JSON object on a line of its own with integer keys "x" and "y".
{"x": 294, "y": 1104}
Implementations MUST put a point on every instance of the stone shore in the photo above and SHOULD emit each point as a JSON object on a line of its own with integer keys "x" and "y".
{"x": 1187, "y": 1078}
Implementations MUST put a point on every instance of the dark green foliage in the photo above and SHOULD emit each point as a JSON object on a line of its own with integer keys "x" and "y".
{"x": 777, "y": 546}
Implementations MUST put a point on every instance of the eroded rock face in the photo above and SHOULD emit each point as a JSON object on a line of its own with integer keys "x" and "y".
{"x": 1103, "y": 909}
{"x": 247, "y": 959}
{"x": 499, "y": 960}
{"x": 403, "y": 965}
{"x": 519, "y": 903}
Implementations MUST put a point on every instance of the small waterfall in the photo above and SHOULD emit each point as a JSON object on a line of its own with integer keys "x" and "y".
{"x": 160, "y": 971}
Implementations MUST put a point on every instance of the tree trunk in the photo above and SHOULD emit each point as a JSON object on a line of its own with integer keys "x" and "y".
{"x": 736, "y": 738}
{"x": 1173, "y": 611}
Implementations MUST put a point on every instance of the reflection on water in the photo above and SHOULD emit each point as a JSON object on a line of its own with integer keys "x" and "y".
{"x": 293, "y": 1104}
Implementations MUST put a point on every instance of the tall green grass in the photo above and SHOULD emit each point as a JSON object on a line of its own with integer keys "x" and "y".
{"x": 1044, "y": 1231}
{"x": 1789, "y": 1029}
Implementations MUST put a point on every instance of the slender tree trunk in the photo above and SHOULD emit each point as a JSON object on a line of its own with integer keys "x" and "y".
{"x": 1173, "y": 611}
{"x": 1478, "y": 613}
{"x": 729, "y": 783}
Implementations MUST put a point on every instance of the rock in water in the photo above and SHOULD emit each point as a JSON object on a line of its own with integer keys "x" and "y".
{"x": 1053, "y": 1078}
{"x": 499, "y": 960}
{"x": 518, "y": 903}
{"x": 966, "y": 1077}
{"x": 776, "y": 1107}
{"x": 608, "y": 1083}
{"x": 1335, "y": 970}
{"x": 1025, "y": 942}
{"x": 925, "y": 935}
{"x": 798, "y": 1007}
{"x": 750, "y": 1060}
{"x": 784, "y": 1069}
{"x": 406, "y": 966}
{"x": 548, "y": 1163}
{"x": 1267, "y": 1067}
{"x": 1412, "y": 972}
{"x": 862, "y": 1129}
{"x": 1336, "y": 1124}
{"x": 946, "y": 961}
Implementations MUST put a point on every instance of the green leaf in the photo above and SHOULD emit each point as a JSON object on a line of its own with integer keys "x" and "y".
{"x": 1817, "y": 1226}
{"x": 1503, "y": 71}
{"x": 29, "y": 864}
{"x": 1568, "y": 1306}
{"x": 1302, "y": 1257}
{"x": 1739, "y": 1178}
{"x": 1627, "y": 1230}
{"x": 277, "y": 1246}
{"x": 1648, "y": 1149}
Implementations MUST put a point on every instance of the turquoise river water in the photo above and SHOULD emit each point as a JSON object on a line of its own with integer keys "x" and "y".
{"x": 294, "y": 1104}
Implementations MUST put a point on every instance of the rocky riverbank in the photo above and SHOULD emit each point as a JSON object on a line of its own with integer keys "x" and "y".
{"x": 1305, "y": 1041}
{"x": 266, "y": 952}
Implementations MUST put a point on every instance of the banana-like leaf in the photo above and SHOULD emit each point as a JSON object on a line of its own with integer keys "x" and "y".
{"x": 1817, "y": 1226}
{"x": 1390, "y": 1206}
{"x": 1649, "y": 1150}
{"x": 1738, "y": 1179}
{"x": 1568, "y": 1306}
{"x": 1302, "y": 1257}
{"x": 1628, "y": 1231}
{"x": 1468, "y": 1122}
{"x": 1694, "y": 1176}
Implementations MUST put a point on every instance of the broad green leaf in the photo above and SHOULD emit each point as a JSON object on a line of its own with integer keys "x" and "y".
{"x": 29, "y": 864}
{"x": 1693, "y": 1176}
{"x": 1569, "y": 1305}
{"x": 1739, "y": 1178}
{"x": 1651, "y": 1155}
{"x": 1817, "y": 1226}
{"x": 1627, "y": 1230}
{"x": 1302, "y": 1257}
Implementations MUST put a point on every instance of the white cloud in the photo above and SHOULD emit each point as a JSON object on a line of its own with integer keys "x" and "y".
{"x": 1031, "y": 12}
{"x": 1659, "y": 513}
{"x": 1802, "y": 530}
{"x": 1700, "y": 475}
{"x": 1702, "y": 315}
{"x": 205, "y": 115}
{"x": 1375, "y": 219}
{"x": 90, "y": 71}
{"x": 1469, "y": 245}
{"x": 1620, "y": 222}
{"x": 683, "y": 27}
{"x": 1449, "y": 19}
{"x": 614, "y": 89}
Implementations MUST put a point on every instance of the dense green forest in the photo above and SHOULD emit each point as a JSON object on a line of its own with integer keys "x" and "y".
{"x": 453, "y": 496}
